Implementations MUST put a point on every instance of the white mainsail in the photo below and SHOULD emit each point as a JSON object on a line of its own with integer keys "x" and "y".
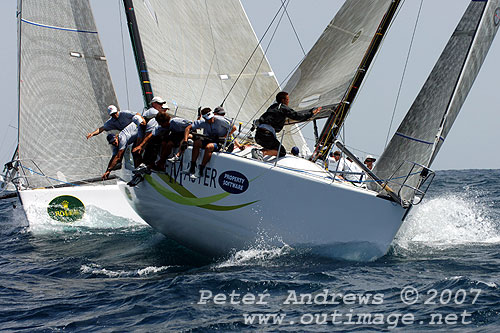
{"x": 64, "y": 89}
{"x": 195, "y": 50}
{"x": 429, "y": 120}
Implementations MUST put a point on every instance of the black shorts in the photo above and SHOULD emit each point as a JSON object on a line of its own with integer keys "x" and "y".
{"x": 217, "y": 144}
{"x": 175, "y": 137}
{"x": 268, "y": 141}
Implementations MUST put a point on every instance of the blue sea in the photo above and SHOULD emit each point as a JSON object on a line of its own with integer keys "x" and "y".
{"x": 442, "y": 273}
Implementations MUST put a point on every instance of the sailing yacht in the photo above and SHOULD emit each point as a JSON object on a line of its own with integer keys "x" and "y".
{"x": 64, "y": 90}
{"x": 208, "y": 57}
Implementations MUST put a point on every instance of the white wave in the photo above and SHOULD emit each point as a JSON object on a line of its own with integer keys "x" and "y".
{"x": 95, "y": 269}
{"x": 94, "y": 218}
{"x": 262, "y": 252}
{"x": 452, "y": 219}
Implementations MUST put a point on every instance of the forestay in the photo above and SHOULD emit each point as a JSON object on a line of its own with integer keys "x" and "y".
{"x": 64, "y": 90}
{"x": 325, "y": 74}
{"x": 436, "y": 107}
{"x": 195, "y": 50}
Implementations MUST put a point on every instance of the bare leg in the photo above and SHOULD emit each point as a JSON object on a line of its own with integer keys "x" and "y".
{"x": 166, "y": 149}
{"x": 209, "y": 149}
{"x": 196, "y": 151}
{"x": 270, "y": 152}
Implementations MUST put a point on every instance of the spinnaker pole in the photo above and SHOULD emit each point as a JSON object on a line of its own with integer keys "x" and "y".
{"x": 336, "y": 119}
{"x": 140, "y": 60}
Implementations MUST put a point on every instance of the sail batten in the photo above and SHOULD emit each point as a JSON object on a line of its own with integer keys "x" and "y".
{"x": 64, "y": 89}
{"x": 437, "y": 105}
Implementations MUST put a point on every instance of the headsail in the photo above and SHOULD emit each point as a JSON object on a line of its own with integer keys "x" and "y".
{"x": 327, "y": 71}
{"x": 436, "y": 107}
{"x": 332, "y": 72}
{"x": 64, "y": 89}
{"x": 195, "y": 50}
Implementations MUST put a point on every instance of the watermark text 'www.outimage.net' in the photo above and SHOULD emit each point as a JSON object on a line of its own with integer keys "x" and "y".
{"x": 352, "y": 307}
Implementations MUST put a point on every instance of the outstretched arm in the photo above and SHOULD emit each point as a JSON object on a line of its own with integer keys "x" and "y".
{"x": 112, "y": 163}
{"x": 299, "y": 115}
{"x": 140, "y": 146}
{"x": 96, "y": 132}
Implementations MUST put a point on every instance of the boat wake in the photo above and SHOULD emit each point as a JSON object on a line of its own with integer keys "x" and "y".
{"x": 94, "y": 218}
{"x": 262, "y": 253}
{"x": 449, "y": 220}
{"x": 97, "y": 270}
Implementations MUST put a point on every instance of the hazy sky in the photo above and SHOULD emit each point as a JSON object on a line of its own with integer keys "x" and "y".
{"x": 470, "y": 144}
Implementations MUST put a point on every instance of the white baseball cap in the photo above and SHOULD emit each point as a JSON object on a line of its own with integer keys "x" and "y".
{"x": 161, "y": 101}
{"x": 112, "y": 109}
{"x": 208, "y": 116}
{"x": 370, "y": 157}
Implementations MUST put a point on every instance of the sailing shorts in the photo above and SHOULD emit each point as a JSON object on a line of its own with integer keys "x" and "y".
{"x": 217, "y": 144}
{"x": 175, "y": 137}
{"x": 268, "y": 141}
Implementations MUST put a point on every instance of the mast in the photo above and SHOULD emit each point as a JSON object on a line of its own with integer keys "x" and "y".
{"x": 140, "y": 60}
{"x": 19, "y": 25}
{"x": 336, "y": 119}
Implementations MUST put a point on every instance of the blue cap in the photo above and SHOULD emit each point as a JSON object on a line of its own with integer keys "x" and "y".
{"x": 295, "y": 151}
{"x": 111, "y": 138}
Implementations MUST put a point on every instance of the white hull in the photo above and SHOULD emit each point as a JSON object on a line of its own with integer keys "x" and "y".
{"x": 37, "y": 202}
{"x": 296, "y": 203}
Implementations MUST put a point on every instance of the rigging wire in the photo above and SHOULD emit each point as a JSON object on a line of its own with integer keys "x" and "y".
{"x": 123, "y": 54}
{"x": 251, "y": 55}
{"x": 293, "y": 27}
{"x": 206, "y": 80}
{"x": 369, "y": 70}
{"x": 215, "y": 55}
{"x": 266, "y": 102}
{"x": 404, "y": 72}
{"x": 262, "y": 59}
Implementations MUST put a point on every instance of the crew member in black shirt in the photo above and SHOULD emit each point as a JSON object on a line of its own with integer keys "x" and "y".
{"x": 272, "y": 122}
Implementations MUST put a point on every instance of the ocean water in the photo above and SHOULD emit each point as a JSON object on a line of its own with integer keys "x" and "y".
{"x": 442, "y": 273}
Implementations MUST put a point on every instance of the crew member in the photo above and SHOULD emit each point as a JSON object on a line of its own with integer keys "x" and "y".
{"x": 272, "y": 122}
{"x": 120, "y": 142}
{"x": 118, "y": 121}
{"x": 215, "y": 128}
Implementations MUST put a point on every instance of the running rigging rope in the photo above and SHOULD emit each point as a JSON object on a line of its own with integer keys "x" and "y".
{"x": 262, "y": 60}
{"x": 251, "y": 55}
{"x": 293, "y": 27}
{"x": 404, "y": 72}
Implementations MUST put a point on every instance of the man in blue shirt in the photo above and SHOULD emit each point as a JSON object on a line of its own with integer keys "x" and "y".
{"x": 118, "y": 121}
{"x": 215, "y": 129}
{"x": 120, "y": 142}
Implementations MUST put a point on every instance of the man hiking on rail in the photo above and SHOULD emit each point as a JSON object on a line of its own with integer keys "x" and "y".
{"x": 215, "y": 129}
{"x": 272, "y": 122}
{"x": 126, "y": 137}
{"x": 118, "y": 121}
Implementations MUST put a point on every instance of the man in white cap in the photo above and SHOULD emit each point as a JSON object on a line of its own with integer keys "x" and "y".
{"x": 215, "y": 129}
{"x": 118, "y": 121}
{"x": 152, "y": 145}
{"x": 369, "y": 160}
{"x": 336, "y": 162}
{"x": 121, "y": 141}
{"x": 157, "y": 104}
